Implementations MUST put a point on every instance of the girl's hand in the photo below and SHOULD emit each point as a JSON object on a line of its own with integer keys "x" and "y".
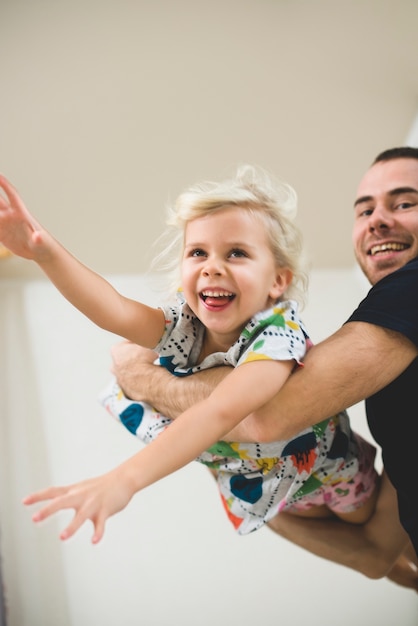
{"x": 19, "y": 232}
{"x": 95, "y": 499}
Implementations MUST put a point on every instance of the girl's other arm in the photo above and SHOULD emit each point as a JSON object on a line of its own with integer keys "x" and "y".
{"x": 246, "y": 388}
{"x": 194, "y": 431}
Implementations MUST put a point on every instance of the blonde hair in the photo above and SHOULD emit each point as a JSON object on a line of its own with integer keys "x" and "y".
{"x": 252, "y": 189}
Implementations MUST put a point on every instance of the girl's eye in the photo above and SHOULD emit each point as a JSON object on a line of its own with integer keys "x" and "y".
{"x": 197, "y": 252}
{"x": 236, "y": 253}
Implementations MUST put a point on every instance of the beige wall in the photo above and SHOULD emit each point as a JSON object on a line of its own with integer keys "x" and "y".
{"x": 108, "y": 109}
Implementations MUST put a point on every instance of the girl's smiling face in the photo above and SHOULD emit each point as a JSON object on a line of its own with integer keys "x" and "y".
{"x": 229, "y": 271}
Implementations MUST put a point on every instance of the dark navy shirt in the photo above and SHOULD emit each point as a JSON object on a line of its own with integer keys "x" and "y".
{"x": 392, "y": 413}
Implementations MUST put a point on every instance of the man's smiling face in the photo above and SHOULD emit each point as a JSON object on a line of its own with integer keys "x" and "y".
{"x": 385, "y": 233}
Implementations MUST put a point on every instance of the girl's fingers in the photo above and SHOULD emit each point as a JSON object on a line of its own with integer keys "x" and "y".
{"x": 10, "y": 191}
{"x": 50, "y": 509}
{"x": 89, "y": 500}
{"x": 59, "y": 498}
{"x": 45, "y": 494}
{"x": 99, "y": 527}
{"x": 77, "y": 521}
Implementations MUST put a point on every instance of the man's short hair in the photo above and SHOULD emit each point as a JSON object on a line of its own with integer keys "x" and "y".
{"x": 403, "y": 152}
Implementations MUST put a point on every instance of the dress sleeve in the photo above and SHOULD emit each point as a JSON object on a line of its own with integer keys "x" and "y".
{"x": 276, "y": 334}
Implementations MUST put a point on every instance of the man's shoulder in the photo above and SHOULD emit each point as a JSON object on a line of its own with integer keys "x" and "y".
{"x": 393, "y": 302}
{"x": 396, "y": 282}
{"x": 408, "y": 268}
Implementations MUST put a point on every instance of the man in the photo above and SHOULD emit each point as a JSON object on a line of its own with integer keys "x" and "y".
{"x": 373, "y": 356}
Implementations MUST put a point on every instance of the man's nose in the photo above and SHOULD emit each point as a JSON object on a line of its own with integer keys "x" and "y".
{"x": 381, "y": 218}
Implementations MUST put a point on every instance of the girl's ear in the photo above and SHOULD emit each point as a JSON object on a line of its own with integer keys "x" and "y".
{"x": 284, "y": 277}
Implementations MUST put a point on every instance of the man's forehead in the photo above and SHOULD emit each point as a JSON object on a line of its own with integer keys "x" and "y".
{"x": 389, "y": 177}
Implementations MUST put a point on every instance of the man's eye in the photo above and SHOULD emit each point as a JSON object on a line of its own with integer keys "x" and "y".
{"x": 404, "y": 205}
{"x": 364, "y": 212}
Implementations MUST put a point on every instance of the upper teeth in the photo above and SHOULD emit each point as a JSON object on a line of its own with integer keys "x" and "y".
{"x": 217, "y": 294}
{"x": 387, "y": 246}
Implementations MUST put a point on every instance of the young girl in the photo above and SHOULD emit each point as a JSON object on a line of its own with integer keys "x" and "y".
{"x": 240, "y": 261}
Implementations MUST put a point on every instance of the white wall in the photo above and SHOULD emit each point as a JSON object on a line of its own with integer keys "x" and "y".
{"x": 171, "y": 556}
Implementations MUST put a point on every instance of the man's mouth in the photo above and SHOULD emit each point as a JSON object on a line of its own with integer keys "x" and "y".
{"x": 387, "y": 247}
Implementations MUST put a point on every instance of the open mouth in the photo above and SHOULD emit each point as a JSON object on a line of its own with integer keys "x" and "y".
{"x": 387, "y": 247}
{"x": 217, "y": 296}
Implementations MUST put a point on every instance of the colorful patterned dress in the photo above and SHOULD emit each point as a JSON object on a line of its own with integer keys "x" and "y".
{"x": 324, "y": 464}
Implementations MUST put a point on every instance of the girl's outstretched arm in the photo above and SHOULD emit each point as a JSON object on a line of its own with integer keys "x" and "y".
{"x": 194, "y": 431}
{"x": 86, "y": 290}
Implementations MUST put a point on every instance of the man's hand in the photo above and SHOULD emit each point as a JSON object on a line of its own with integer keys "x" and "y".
{"x": 133, "y": 366}
{"x": 140, "y": 379}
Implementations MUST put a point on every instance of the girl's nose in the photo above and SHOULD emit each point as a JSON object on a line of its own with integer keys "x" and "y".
{"x": 212, "y": 267}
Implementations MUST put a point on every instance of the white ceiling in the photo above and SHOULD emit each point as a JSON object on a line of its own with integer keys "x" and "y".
{"x": 170, "y": 92}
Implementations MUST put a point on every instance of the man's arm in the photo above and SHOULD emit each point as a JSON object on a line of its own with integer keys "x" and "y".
{"x": 355, "y": 362}
{"x": 351, "y": 365}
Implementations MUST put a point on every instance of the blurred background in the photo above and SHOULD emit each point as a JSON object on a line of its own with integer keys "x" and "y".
{"x": 108, "y": 111}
